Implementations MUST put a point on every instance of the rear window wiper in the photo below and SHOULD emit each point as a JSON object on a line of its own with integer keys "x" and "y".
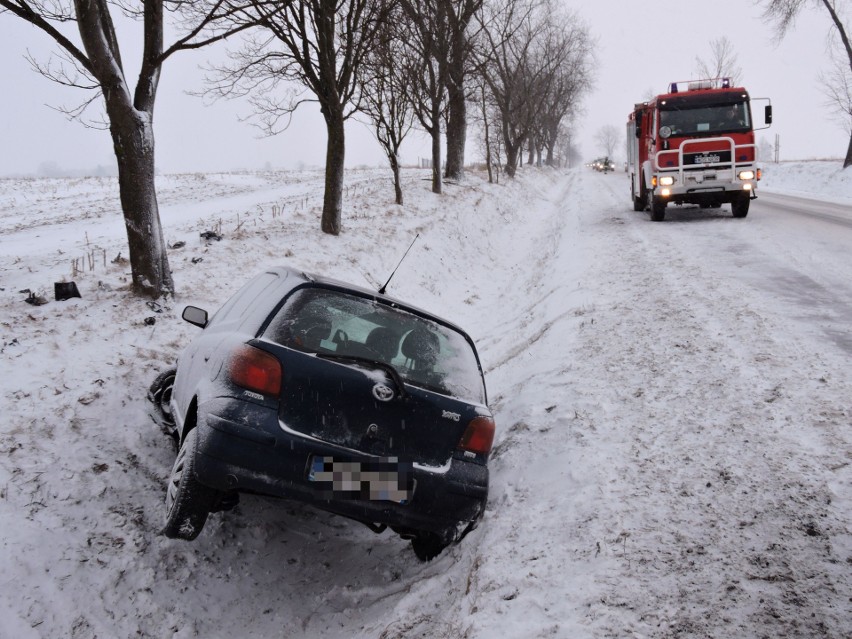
{"x": 366, "y": 361}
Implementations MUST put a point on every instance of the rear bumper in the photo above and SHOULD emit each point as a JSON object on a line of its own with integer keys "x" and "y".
{"x": 243, "y": 448}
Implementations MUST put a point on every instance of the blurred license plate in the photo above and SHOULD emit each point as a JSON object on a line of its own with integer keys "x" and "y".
{"x": 385, "y": 479}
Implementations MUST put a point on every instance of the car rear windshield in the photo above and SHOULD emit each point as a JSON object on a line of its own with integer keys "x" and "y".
{"x": 424, "y": 352}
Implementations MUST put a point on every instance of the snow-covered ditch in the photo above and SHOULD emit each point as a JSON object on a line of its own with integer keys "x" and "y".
{"x": 672, "y": 457}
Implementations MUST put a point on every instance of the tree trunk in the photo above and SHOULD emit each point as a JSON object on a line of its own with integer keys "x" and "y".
{"x": 511, "y": 159}
{"x": 488, "y": 155}
{"x": 133, "y": 140}
{"x": 548, "y": 160}
{"x": 335, "y": 157}
{"x": 132, "y": 130}
{"x": 397, "y": 186}
{"x": 848, "y": 160}
{"x": 436, "y": 161}
{"x": 436, "y": 146}
{"x": 456, "y": 99}
{"x": 487, "y": 137}
{"x": 456, "y": 132}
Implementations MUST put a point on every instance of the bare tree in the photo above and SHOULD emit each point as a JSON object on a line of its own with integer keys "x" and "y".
{"x": 459, "y": 14}
{"x": 569, "y": 154}
{"x": 517, "y": 52}
{"x": 836, "y": 84}
{"x": 486, "y": 118}
{"x": 722, "y": 62}
{"x": 386, "y": 96}
{"x": 93, "y": 61}
{"x": 607, "y": 138}
{"x": 312, "y": 47}
{"x": 570, "y": 80}
{"x": 425, "y": 32}
{"x": 783, "y": 14}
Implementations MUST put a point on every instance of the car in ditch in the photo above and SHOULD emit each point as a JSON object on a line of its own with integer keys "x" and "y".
{"x": 307, "y": 388}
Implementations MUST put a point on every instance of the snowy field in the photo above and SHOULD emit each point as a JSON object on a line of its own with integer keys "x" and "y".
{"x": 674, "y": 446}
{"x": 823, "y": 180}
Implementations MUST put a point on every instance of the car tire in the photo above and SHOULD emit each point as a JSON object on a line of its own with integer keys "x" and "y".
{"x": 188, "y": 502}
{"x": 739, "y": 207}
{"x": 428, "y": 545}
{"x": 160, "y": 396}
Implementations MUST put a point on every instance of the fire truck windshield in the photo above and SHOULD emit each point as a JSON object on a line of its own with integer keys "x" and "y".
{"x": 705, "y": 120}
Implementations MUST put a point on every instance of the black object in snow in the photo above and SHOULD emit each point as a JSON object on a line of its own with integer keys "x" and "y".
{"x": 65, "y": 291}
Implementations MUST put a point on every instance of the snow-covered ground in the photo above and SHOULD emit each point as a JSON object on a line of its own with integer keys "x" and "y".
{"x": 673, "y": 456}
{"x": 825, "y": 180}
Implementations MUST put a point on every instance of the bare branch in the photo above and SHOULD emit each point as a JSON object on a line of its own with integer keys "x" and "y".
{"x": 64, "y": 69}
{"x": 721, "y": 64}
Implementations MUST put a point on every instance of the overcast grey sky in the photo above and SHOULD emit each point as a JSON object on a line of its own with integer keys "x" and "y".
{"x": 642, "y": 46}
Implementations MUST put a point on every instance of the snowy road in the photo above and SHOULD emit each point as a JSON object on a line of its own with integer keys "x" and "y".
{"x": 831, "y": 212}
{"x": 726, "y": 386}
{"x": 674, "y": 407}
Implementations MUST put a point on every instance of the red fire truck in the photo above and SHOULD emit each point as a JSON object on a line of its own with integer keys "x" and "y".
{"x": 694, "y": 145}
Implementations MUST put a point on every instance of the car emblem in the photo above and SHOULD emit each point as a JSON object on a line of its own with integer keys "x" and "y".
{"x": 383, "y": 392}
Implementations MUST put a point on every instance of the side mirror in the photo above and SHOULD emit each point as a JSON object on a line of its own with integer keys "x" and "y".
{"x": 767, "y": 114}
{"x": 638, "y": 124}
{"x": 195, "y": 315}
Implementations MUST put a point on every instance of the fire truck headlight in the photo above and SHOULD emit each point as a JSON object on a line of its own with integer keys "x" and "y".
{"x": 666, "y": 180}
{"x": 666, "y": 192}
{"x": 747, "y": 186}
{"x": 746, "y": 175}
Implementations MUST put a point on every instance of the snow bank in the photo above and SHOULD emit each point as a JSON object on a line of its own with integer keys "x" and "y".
{"x": 826, "y": 180}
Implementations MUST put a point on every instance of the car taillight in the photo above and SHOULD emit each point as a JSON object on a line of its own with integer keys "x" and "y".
{"x": 255, "y": 370}
{"x": 478, "y": 436}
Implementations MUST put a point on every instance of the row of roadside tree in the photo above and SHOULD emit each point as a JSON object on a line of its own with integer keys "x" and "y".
{"x": 517, "y": 67}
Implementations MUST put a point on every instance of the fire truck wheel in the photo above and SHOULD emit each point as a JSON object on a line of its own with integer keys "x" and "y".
{"x": 658, "y": 209}
{"x": 739, "y": 207}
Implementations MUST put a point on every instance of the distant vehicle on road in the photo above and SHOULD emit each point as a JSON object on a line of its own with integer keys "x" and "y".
{"x": 603, "y": 165}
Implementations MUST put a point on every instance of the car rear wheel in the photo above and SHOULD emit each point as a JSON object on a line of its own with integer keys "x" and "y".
{"x": 160, "y": 396}
{"x": 428, "y": 545}
{"x": 188, "y": 502}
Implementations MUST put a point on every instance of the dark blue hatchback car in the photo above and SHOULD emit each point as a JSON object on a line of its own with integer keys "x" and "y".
{"x": 307, "y": 388}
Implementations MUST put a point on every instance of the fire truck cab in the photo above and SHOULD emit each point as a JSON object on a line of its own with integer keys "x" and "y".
{"x": 694, "y": 145}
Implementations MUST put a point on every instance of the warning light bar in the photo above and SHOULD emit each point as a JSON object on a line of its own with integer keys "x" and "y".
{"x": 699, "y": 85}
